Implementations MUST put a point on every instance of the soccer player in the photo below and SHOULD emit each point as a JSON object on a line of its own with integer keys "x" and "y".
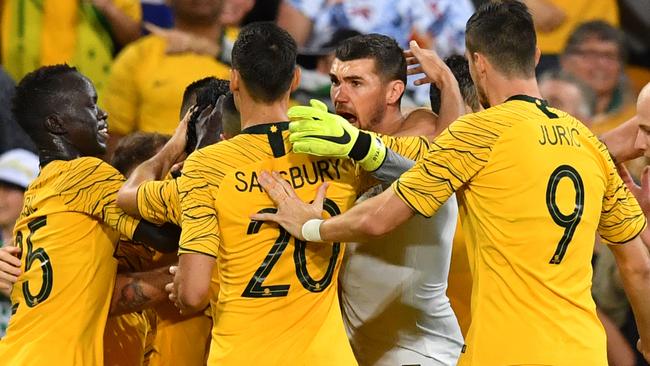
{"x": 404, "y": 318}
{"x": 533, "y": 184}
{"x": 68, "y": 227}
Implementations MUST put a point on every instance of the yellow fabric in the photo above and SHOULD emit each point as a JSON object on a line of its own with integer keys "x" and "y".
{"x": 613, "y": 120}
{"x": 286, "y": 324}
{"x": 526, "y": 310}
{"x": 180, "y": 340}
{"x": 577, "y": 12}
{"x": 63, "y": 296}
{"x": 127, "y": 338}
{"x": 59, "y": 31}
{"x": 459, "y": 288}
{"x": 145, "y": 88}
{"x": 36, "y": 33}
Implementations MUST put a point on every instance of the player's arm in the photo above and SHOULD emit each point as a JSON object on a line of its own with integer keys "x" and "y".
{"x": 438, "y": 73}
{"x": 371, "y": 218}
{"x": 154, "y": 168}
{"x": 139, "y": 291}
{"x": 191, "y": 288}
{"x": 200, "y": 237}
{"x": 633, "y": 261}
{"x": 620, "y": 141}
{"x": 163, "y": 238}
{"x": 124, "y": 28}
{"x": 294, "y": 21}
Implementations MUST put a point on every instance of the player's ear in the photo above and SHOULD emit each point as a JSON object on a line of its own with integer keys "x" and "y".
{"x": 54, "y": 124}
{"x": 538, "y": 54}
{"x": 234, "y": 80}
{"x": 480, "y": 63}
{"x": 394, "y": 91}
{"x": 296, "y": 79}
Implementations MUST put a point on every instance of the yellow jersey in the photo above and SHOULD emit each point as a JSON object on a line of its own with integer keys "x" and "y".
{"x": 67, "y": 230}
{"x": 283, "y": 290}
{"x": 533, "y": 185}
{"x": 145, "y": 87}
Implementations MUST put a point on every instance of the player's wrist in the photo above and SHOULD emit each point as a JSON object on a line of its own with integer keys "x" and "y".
{"x": 369, "y": 151}
{"x": 311, "y": 230}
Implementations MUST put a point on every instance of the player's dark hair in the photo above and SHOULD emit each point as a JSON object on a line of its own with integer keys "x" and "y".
{"x": 390, "y": 62}
{"x": 460, "y": 68}
{"x": 265, "y": 57}
{"x": 207, "y": 94}
{"x": 136, "y": 148}
{"x": 39, "y": 94}
{"x": 195, "y": 87}
{"x": 597, "y": 29}
{"x": 503, "y": 31}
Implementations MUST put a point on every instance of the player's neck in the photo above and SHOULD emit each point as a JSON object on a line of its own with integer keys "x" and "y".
{"x": 212, "y": 31}
{"x": 253, "y": 113}
{"x": 502, "y": 89}
{"x": 390, "y": 123}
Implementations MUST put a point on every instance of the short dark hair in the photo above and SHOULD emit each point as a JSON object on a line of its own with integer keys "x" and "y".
{"x": 136, "y": 148}
{"x": 600, "y": 30}
{"x": 504, "y": 32}
{"x": 37, "y": 95}
{"x": 460, "y": 68}
{"x": 196, "y": 86}
{"x": 265, "y": 57}
{"x": 205, "y": 97}
{"x": 389, "y": 57}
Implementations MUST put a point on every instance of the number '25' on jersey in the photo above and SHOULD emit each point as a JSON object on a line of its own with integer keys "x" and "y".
{"x": 534, "y": 186}
{"x": 67, "y": 230}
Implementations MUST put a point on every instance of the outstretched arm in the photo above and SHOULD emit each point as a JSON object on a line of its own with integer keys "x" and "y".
{"x": 191, "y": 288}
{"x": 373, "y": 217}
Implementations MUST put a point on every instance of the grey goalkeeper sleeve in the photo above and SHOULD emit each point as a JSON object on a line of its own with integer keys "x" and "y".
{"x": 392, "y": 167}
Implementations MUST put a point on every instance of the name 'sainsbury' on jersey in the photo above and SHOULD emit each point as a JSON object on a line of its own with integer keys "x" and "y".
{"x": 297, "y": 176}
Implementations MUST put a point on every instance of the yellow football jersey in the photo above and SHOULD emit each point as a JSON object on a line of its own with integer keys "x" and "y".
{"x": 534, "y": 185}
{"x": 67, "y": 230}
{"x": 284, "y": 291}
{"x": 145, "y": 89}
{"x": 179, "y": 339}
{"x": 128, "y": 338}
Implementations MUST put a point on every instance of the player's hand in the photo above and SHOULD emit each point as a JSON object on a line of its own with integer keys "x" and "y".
{"x": 9, "y": 268}
{"x": 209, "y": 125}
{"x": 642, "y": 192}
{"x": 317, "y": 132}
{"x": 428, "y": 62}
{"x": 292, "y": 212}
{"x": 640, "y": 345}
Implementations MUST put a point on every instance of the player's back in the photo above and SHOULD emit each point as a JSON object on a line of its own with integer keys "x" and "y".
{"x": 61, "y": 300}
{"x": 278, "y": 302}
{"x": 530, "y": 216}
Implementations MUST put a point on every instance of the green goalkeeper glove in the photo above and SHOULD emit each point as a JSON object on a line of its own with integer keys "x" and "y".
{"x": 315, "y": 131}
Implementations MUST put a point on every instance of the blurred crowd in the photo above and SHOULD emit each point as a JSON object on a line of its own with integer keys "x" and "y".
{"x": 141, "y": 55}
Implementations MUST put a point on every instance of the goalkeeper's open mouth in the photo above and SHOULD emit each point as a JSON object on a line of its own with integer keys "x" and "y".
{"x": 348, "y": 116}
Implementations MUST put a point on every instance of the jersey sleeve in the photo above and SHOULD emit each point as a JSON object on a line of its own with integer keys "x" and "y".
{"x": 411, "y": 147}
{"x": 199, "y": 222}
{"x": 121, "y": 98}
{"x": 158, "y": 201}
{"x": 454, "y": 157}
{"x": 621, "y": 218}
{"x": 91, "y": 187}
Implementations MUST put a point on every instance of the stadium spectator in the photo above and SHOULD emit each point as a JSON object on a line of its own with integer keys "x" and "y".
{"x": 595, "y": 55}
{"x": 567, "y": 93}
{"x": 18, "y": 168}
{"x": 441, "y": 22}
{"x": 479, "y": 156}
{"x": 146, "y": 85}
{"x": 234, "y": 11}
{"x": 85, "y": 34}
{"x": 11, "y": 135}
{"x": 555, "y": 20}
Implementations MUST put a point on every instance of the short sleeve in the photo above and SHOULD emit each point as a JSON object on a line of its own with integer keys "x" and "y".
{"x": 621, "y": 218}
{"x": 199, "y": 222}
{"x": 455, "y": 156}
{"x": 410, "y": 147}
{"x": 91, "y": 187}
{"x": 158, "y": 201}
